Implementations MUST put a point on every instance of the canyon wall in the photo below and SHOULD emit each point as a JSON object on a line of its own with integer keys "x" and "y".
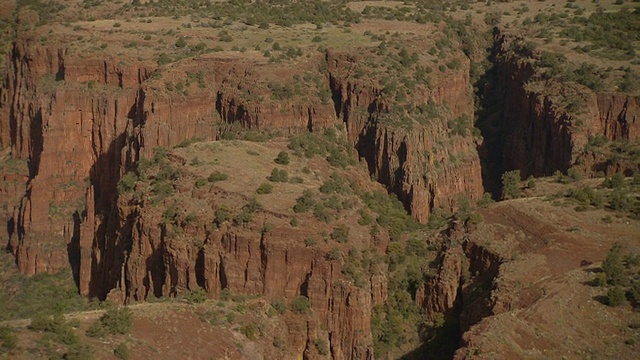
{"x": 540, "y": 134}
{"x": 424, "y": 165}
{"x": 81, "y": 122}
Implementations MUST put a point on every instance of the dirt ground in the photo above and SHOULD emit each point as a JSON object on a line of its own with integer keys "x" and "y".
{"x": 545, "y": 306}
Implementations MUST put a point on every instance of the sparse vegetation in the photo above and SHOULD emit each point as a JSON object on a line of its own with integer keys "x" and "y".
{"x": 511, "y": 188}
{"x": 8, "y": 339}
{"x": 113, "y": 321}
{"x": 279, "y": 175}
{"x": 283, "y": 158}
{"x": 264, "y": 188}
{"x": 300, "y": 305}
{"x": 121, "y": 352}
{"x": 217, "y": 176}
{"x": 404, "y": 128}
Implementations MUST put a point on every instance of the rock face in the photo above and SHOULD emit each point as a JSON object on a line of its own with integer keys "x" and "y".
{"x": 461, "y": 288}
{"x": 424, "y": 166}
{"x": 81, "y": 122}
{"x": 246, "y": 262}
{"x": 110, "y": 115}
{"x": 541, "y": 135}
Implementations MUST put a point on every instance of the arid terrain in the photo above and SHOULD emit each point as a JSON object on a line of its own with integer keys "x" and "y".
{"x": 319, "y": 179}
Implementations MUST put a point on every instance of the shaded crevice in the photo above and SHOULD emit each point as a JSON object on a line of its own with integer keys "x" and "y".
{"x": 490, "y": 115}
{"x": 36, "y": 144}
{"x": 105, "y": 175}
{"x": 365, "y": 146}
{"x": 224, "y": 283}
{"x": 60, "y": 74}
{"x": 336, "y": 96}
{"x": 199, "y": 269}
{"x": 155, "y": 268}
{"x": 73, "y": 249}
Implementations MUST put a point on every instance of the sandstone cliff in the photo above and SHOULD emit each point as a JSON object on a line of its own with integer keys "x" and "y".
{"x": 424, "y": 165}
{"x": 542, "y": 131}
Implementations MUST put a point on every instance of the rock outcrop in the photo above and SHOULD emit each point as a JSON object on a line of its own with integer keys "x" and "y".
{"x": 424, "y": 165}
{"x": 540, "y": 134}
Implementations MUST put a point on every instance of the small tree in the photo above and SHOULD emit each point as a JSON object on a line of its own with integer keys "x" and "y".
{"x": 283, "y": 158}
{"x": 511, "y": 184}
{"x": 613, "y": 266}
{"x": 616, "y": 296}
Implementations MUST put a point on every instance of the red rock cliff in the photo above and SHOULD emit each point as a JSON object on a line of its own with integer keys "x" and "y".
{"x": 425, "y": 165}
{"x": 541, "y": 135}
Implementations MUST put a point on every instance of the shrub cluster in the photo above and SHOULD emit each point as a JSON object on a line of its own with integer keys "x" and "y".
{"x": 112, "y": 322}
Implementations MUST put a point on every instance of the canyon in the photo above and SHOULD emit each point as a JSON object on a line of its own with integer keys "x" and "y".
{"x": 74, "y": 124}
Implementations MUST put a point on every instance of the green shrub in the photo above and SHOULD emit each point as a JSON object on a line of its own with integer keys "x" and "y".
{"x": 283, "y": 158}
{"x": 200, "y": 182}
{"x": 391, "y": 213}
{"x": 305, "y": 202}
{"x": 335, "y": 184}
{"x": 531, "y": 182}
{"x": 321, "y": 213}
{"x": 264, "y": 188}
{"x": 613, "y": 265}
{"x": 41, "y": 322}
{"x": 321, "y": 346}
{"x": 221, "y": 215}
{"x": 188, "y": 142}
{"x": 511, "y": 184}
{"x": 217, "y": 176}
{"x": 225, "y": 294}
{"x": 127, "y": 183}
{"x": 280, "y": 306}
{"x": 244, "y": 217}
{"x": 340, "y": 233}
{"x": 278, "y": 175}
{"x": 296, "y": 180}
{"x": 112, "y": 322}
{"x": 181, "y": 42}
{"x": 250, "y": 331}
{"x": 121, "y": 352}
{"x": 575, "y": 173}
{"x": 600, "y": 279}
{"x": 485, "y": 200}
{"x": 79, "y": 351}
{"x": 339, "y": 158}
{"x": 300, "y": 305}
{"x": 196, "y": 296}
{"x": 334, "y": 254}
{"x": 365, "y": 217}
{"x": 616, "y": 296}
{"x": 8, "y": 339}
{"x": 615, "y": 182}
